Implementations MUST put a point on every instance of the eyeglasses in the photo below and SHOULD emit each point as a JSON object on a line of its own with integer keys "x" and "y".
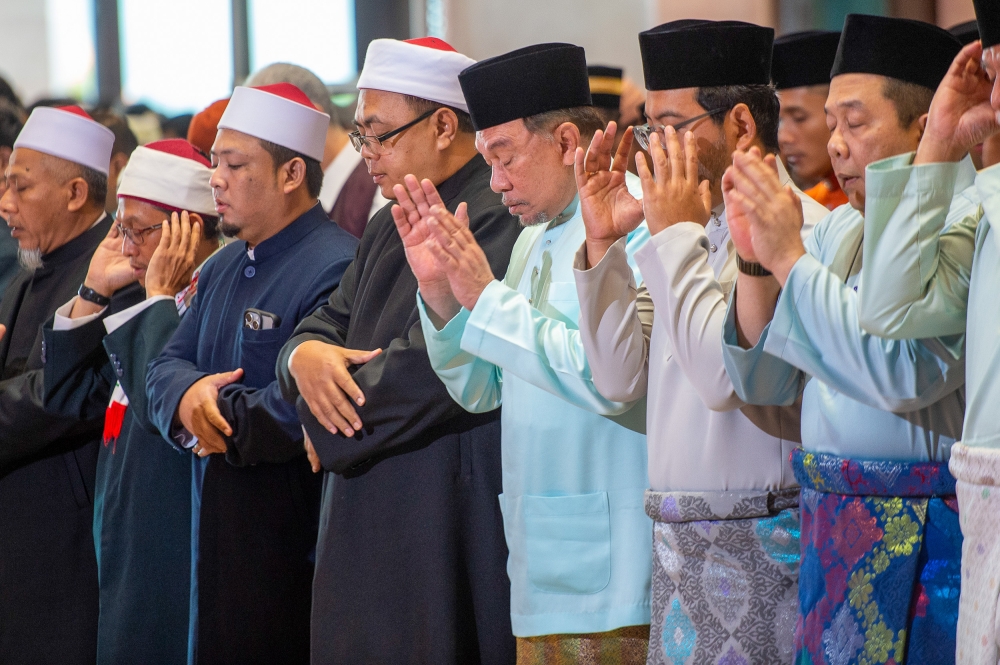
{"x": 643, "y": 132}
{"x": 137, "y": 236}
{"x": 374, "y": 143}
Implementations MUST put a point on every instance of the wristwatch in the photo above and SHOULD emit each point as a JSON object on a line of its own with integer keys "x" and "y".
{"x": 90, "y": 295}
{"x": 751, "y": 268}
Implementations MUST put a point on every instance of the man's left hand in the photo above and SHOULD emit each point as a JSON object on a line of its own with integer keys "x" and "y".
{"x": 459, "y": 255}
{"x": 671, "y": 192}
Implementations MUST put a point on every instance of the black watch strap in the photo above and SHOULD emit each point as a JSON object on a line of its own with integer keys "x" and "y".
{"x": 751, "y": 268}
{"x": 90, "y": 295}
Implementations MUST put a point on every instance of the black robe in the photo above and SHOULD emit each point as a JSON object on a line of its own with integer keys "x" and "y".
{"x": 142, "y": 499}
{"x": 48, "y": 573}
{"x": 411, "y": 560}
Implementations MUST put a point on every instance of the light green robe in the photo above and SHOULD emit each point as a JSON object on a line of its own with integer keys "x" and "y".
{"x": 938, "y": 274}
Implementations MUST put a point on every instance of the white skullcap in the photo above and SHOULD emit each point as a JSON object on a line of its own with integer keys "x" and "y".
{"x": 426, "y": 68}
{"x": 67, "y": 132}
{"x": 279, "y": 113}
{"x": 171, "y": 174}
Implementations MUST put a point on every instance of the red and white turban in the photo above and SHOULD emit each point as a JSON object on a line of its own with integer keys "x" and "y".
{"x": 169, "y": 174}
{"x": 280, "y": 113}
{"x": 426, "y": 68}
{"x": 67, "y": 132}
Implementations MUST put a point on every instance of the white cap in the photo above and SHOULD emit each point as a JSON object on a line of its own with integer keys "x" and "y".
{"x": 426, "y": 68}
{"x": 279, "y": 113}
{"x": 171, "y": 174}
{"x": 67, "y": 132}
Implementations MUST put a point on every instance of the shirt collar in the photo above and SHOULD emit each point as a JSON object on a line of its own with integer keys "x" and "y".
{"x": 79, "y": 244}
{"x": 289, "y": 235}
{"x": 567, "y": 214}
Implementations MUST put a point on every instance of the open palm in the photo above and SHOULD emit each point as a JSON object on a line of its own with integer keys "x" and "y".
{"x": 609, "y": 210}
{"x": 410, "y": 215}
{"x": 109, "y": 268}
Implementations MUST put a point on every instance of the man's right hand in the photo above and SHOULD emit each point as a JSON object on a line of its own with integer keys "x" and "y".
{"x": 109, "y": 271}
{"x": 609, "y": 210}
{"x": 198, "y": 412}
{"x": 320, "y": 372}
{"x": 961, "y": 115}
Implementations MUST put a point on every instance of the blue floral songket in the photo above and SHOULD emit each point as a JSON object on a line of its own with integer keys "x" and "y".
{"x": 881, "y": 562}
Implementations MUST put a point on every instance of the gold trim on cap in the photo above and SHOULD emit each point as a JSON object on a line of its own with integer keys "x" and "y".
{"x": 605, "y": 85}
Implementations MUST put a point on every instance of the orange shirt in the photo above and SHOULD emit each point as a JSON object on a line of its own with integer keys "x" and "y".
{"x": 828, "y": 193}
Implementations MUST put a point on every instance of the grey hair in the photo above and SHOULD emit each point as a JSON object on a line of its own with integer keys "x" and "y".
{"x": 302, "y": 78}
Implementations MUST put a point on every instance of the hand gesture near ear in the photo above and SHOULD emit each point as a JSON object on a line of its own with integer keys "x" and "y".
{"x": 671, "y": 192}
{"x": 609, "y": 210}
{"x": 961, "y": 115}
{"x": 172, "y": 264}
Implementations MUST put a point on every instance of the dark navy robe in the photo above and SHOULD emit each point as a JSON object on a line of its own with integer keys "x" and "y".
{"x": 142, "y": 497}
{"x": 259, "y": 503}
{"x": 411, "y": 561}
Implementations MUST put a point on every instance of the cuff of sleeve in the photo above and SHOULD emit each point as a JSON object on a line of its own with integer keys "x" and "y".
{"x": 741, "y": 358}
{"x": 444, "y": 344}
{"x": 479, "y": 318}
{"x": 116, "y": 321}
{"x": 61, "y": 321}
{"x": 785, "y": 313}
{"x": 615, "y": 255}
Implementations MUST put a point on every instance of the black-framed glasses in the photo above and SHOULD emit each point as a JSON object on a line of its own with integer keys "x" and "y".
{"x": 137, "y": 236}
{"x": 374, "y": 143}
{"x": 643, "y": 132}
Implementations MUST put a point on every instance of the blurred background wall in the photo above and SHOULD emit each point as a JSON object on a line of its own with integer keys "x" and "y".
{"x": 177, "y": 56}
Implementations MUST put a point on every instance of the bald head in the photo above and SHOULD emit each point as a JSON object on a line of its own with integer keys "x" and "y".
{"x": 302, "y": 78}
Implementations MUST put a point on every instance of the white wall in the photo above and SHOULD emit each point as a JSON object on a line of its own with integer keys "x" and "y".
{"x": 24, "y": 54}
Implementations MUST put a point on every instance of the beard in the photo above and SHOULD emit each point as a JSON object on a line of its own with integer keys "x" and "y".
{"x": 227, "y": 229}
{"x": 30, "y": 259}
{"x": 713, "y": 162}
{"x": 533, "y": 219}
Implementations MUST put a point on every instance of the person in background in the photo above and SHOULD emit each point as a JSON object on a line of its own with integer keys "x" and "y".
{"x": 411, "y": 560}
{"x": 125, "y": 144}
{"x": 96, "y": 365}
{"x": 54, "y": 204}
{"x": 213, "y": 392}
{"x": 177, "y": 127}
{"x": 574, "y": 462}
{"x": 7, "y": 93}
{"x": 879, "y": 416}
{"x": 606, "y": 91}
{"x": 205, "y": 125}
{"x": 11, "y": 121}
{"x": 349, "y": 194}
{"x": 800, "y": 70}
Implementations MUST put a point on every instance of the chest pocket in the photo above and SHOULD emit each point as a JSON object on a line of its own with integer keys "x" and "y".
{"x": 258, "y": 353}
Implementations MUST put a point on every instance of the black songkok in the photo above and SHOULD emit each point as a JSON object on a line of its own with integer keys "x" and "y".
{"x": 966, "y": 33}
{"x": 988, "y": 17}
{"x": 525, "y": 82}
{"x": 693, "y": 53}
{"x": 903, "y": 49}
{"x": 803, "y": 58}
{"x": 605, "y": 86}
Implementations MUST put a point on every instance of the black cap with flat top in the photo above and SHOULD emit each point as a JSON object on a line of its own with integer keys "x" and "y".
{"x": 694, "y": 53}
{"x": 988, "y": 18}
{"x": 525, "y": 82}
{"x": 605, "y": 86}
{"x": 903, "y": 49}
{"x": 803, "y": 58}
{"x": 966, "y": 33}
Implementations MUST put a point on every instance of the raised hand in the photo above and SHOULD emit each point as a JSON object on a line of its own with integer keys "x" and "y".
{"x": 459, "y": 255}
{"x": 199, "y": 413}
{"x": 961, "y": 115}
{"x": 320, "y": 372}
{"x": 671, "y": 192}
{"x": 774, "y": 212}
{"x": 609, "y": 210}
{"x": 411, "y": 214}
{"x": 737, "y": 217}
{"x": 172, "y": 264}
